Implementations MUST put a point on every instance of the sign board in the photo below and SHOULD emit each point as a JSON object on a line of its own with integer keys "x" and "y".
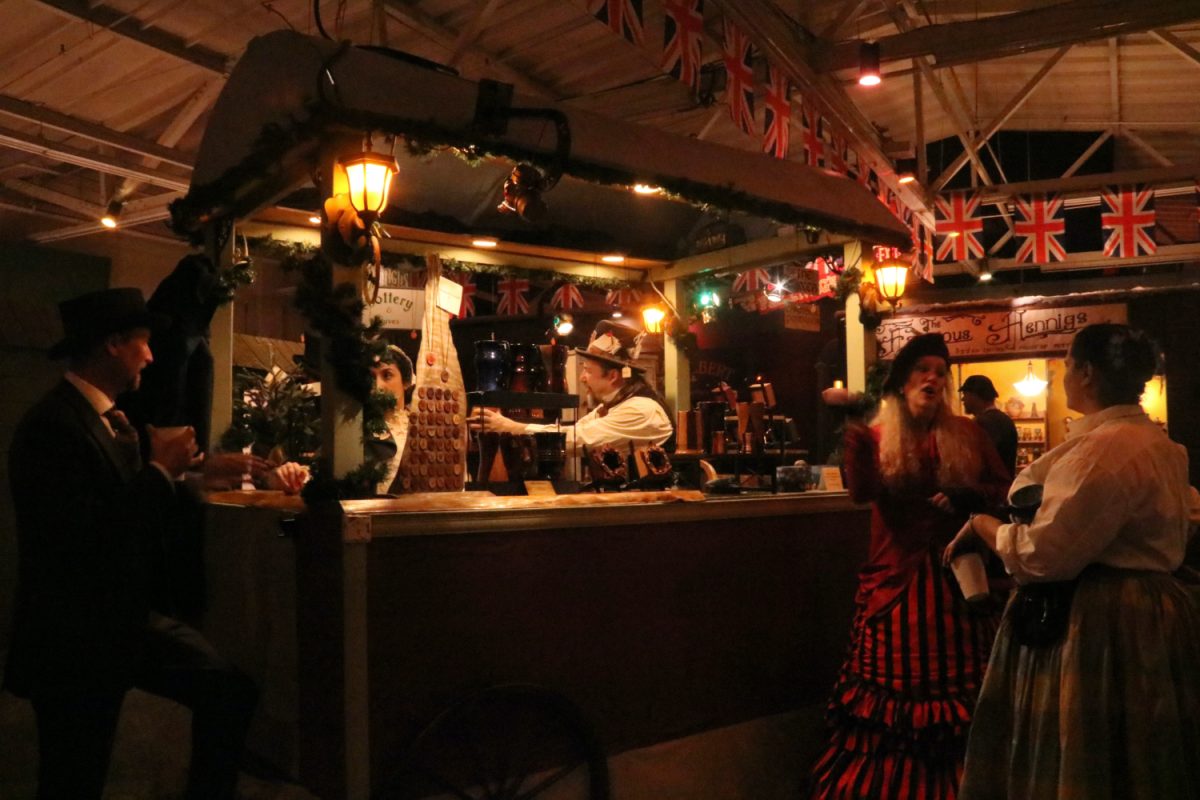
{"x": 802, "y": 317}
{"x": 449, "y": 296}
{"x": 1013, "y": 331}
{"x": 539, "y": 489}
{"x": 831, "y": 480}
{"x": 400, "y": 308}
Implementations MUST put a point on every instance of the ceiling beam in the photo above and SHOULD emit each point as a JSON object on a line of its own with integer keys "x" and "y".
{"x": 482, "y": 63}
{"x": 110, "y": 165}
{"x": 1090, "y": 185}
{"x": 1005, "y": 114}
{"x": 1013, "y": 34}
{"x": 131, "y": 27}
{"x": 88, "y": 228}
{"x": 1179, "y": 45}
{"x": 60, "y": 199}
{"x": 40, "y": 115}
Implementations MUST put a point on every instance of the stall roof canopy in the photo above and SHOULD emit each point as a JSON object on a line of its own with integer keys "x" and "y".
{"x": 293, "y": 97}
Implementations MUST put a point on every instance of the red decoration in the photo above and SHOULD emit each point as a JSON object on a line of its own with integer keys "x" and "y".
{"x": 1130, "y": 217}
{"x": 623, "y": 17}
{"x": 814, "y": 145}
{"x": 512, "y": 297}
{"x": 777, "y": 114}
{"x": 752, "y": 280}
{"x": 469, "y": 289}
{"x": 683, "y": 31}
{"x": 566, "y": 297}
{"x": 957, "y": 220}
{"x": 836, "y": 155}
{"x": 739, "y": 86}
{"x": 623, "y": 298}
{"x": 1041, "y": 224}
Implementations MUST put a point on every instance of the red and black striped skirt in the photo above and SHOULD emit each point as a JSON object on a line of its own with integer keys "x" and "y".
{"x": 900, "y": 711}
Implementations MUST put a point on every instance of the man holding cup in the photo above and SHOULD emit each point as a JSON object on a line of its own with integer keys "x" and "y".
{"x": 90, "y": 515}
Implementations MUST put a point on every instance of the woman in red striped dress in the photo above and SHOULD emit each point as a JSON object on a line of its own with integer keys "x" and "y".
{"x": 900, "y": 710}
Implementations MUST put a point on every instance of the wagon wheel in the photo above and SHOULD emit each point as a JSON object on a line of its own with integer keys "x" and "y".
{"x": 504, "y": 743}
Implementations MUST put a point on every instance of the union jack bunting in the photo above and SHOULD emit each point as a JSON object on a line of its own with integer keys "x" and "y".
{"x": 922, "y": 254}
{"x": 1041, "y": 224}
{"x": 739, "y": 86}
{"x": 837, "y": 156}
{"x": 566, "y": 297}
{"x": 1130, "y": 217}
{"x": 810, "y": 128}
{"x": 957, "y": 221}
{"x": 623, "y": 17}
{"x": 683, "y": 31}
{"x": 467, "y": 307}
{"x": 512, "y": 297}
{"x": 623, "y": 298}
{"x": 752, "y": 280}
{"x": 776, "y": 114}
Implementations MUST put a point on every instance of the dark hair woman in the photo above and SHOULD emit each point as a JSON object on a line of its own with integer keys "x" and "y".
{"x": 1106, "y": 703}
{"x": 905, "y": 695}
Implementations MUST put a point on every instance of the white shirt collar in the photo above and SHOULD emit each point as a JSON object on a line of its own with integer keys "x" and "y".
{"x": 98, "y": 399}
{"x": 1090, "y": 422}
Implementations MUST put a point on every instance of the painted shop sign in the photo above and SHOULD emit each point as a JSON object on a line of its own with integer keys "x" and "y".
{"x": 1013, "y": 331}
{"x": 400, "y": 309}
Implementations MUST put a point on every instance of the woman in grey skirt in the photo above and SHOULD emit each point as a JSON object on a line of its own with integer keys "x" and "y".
{"x": 1093, "y": 689}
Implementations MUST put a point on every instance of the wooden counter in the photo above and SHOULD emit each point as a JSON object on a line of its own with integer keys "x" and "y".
{"x": 661, "y": 618}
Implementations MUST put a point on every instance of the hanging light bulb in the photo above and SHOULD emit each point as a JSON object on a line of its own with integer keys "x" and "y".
{"x": 1031, "y": 385}
{"x": 112, "y": 215}
{"x": 868, "y": 64}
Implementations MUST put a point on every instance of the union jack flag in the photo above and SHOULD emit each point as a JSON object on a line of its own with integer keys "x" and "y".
{"x": 739, "y": 86}
{"x": 467, "y": 308}
{"x": 683, "y": 31}
{"x": 836, "y": 155}
{"x": 623, "y": 17}
{"x": 512, "y": 297}
{"x": 752, "y": 280}
{"x": 623, "y": 298}
{"x": 957, "y": 222}
{"x": 566, "y": 297}
{"x": 1041, "y": 224}
{"x": 1130, "y": 217}
{"x": 777, "y": 113}
{"x": 814, "y": 144}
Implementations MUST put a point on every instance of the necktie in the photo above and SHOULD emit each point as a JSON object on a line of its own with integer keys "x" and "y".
{"x": 126, "y": 436}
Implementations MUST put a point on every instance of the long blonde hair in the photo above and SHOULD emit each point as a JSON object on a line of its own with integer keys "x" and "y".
{"x": 960, "y": 464}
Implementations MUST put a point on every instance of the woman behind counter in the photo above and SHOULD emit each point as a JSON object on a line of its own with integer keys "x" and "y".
{"x": 904, "y": 698}
{"x": 1106, "y": 704}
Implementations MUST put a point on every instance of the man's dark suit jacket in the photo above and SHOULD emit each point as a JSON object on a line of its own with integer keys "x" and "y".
{"x": 89, "y": 516}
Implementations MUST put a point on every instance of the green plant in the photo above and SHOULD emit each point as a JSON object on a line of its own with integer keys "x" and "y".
{"x": 276, "y": 414}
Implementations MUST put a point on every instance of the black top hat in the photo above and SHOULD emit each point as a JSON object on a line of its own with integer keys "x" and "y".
{"x": 927, "y": 344}
{"x": 90, "y": 317}
{"x": 615, "y": 344}
{"x": 980, "y": 385}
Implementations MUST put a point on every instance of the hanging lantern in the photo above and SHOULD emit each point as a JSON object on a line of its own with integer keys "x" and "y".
{"x": 370, "y": 179}
{"x": 652, "y": 319}
{"x": 890, "y": 280}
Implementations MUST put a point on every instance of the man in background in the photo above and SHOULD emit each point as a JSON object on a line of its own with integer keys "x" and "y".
{"x": 90, "y": 515}
{"x": 979, "y": 400}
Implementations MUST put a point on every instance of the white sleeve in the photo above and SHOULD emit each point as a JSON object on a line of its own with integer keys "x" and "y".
{"x": 1084, "y": 506}
{"x": 638, "y": 419}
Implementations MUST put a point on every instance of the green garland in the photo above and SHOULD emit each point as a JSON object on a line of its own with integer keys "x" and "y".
{"x": 240, "y": 273}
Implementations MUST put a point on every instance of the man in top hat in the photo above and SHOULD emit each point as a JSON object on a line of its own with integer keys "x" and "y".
{"x": 90, "y": 515}
{"x": 979, "y": 400}
{"x": 629, "y": 412}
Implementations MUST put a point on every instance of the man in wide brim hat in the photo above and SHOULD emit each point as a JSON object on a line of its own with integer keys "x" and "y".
{"x": 629, "y": 413}
{"x": 90, "y": 318}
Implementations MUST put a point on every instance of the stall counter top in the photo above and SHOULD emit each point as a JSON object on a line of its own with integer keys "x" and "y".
{"x": 437, "y": 513}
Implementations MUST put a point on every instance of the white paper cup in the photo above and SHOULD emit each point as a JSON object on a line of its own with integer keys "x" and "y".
{"x": 971, "y": 576}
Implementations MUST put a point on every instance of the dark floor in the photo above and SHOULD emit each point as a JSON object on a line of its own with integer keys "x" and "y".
{"x": 149, "y": 759}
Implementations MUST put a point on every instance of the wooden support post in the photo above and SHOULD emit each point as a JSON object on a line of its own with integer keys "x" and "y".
{"x": 860, "y": 342}
{"x": 677, "y": 370}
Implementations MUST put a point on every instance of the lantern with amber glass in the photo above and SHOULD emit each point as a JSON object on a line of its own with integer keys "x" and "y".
{"x": 652, "y": 319}
{"x": 891, "y": 276}
{"x": 369, "y": 176}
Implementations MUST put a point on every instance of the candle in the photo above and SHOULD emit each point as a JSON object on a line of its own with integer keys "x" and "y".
{"x": 838, "y": 385}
